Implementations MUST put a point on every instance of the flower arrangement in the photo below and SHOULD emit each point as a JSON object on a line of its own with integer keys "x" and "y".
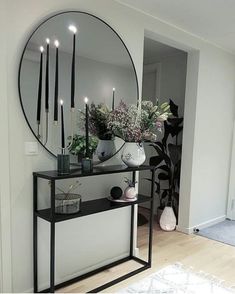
{"x": 98, "y": 118}
{"x": 137, "y": 123}
{"x": 129, "y": 182}
{"x": 78, "y": 145}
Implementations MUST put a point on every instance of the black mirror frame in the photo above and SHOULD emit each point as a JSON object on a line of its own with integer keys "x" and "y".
{"x": 22, "y": 56}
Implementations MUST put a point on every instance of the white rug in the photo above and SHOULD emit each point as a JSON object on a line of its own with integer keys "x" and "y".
{"x": 175, "y": 279}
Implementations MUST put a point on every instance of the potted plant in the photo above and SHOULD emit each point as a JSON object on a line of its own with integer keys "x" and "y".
{"x": 98, "y": 118}
{"x": 168, "y": 163}
{"x": 78, "y": 146}
{"x": 136, "y": 124}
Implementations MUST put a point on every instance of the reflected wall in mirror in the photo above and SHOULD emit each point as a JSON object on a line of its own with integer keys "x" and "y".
{"x": 70, "y": 56}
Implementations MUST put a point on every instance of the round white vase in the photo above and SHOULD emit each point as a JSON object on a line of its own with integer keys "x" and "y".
{"x": 133, "y": 154}
{"x": 168, "y": 219}
{"x": 130, "y": 193}
{"x": 105, "y": 149}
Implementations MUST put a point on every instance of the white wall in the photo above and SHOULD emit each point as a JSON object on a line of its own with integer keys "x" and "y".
{"x": 205, "y": 163}
{"x": 149, "y": 86}
{"x": 5, "y": 210}
{"x": 82, "y": 232}
{"x": 172, "y": 80}
{"x": 231, "y": 193}
{"x": 213, "y": 138}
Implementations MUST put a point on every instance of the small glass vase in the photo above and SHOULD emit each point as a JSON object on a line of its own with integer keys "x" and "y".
{"x": 67, "y": 203}
{"x": 133, "y": 154}
{"x": 63, "y": 164}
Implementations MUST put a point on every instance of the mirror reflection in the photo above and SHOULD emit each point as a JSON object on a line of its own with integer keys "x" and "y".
{"x": 71, "y": 56}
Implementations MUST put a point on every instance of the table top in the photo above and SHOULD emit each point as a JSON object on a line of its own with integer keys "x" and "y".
{"x": 77, "y": 172}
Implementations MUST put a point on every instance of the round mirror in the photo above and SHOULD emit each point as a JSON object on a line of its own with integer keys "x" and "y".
{"x": 68, "y": 57}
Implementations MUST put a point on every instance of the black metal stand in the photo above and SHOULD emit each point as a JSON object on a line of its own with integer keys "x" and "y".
{"x": 87, "y": 208}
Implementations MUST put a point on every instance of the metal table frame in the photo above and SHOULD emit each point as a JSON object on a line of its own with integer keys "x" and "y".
{"x": 50, "y": 216}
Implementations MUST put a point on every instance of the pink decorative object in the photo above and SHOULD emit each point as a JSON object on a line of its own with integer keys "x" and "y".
{"x": 130, "y": 192}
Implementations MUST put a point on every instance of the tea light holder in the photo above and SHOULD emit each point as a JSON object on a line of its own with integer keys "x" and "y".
{"x": 87, "y": 165}
{"x": 63, "y": 163}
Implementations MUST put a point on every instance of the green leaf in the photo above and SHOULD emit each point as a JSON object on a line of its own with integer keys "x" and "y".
{"x": 175, "y": 121}
{"x": 175, "y": 152}
{"x": 173, "y": 108}
{"x": 155, "y": 160}
{"x": 164, "y": 194}
{"x": 164, "y": 167}
{"x": 162, "y": 176}
{"x": 159, "y": 151}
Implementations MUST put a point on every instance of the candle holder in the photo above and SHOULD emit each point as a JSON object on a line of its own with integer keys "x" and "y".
{"x": 87, "y": 165}
{"x": 63, "y": 163}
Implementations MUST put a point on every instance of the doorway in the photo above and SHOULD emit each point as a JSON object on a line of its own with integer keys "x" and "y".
{"x": 164, "y": 79}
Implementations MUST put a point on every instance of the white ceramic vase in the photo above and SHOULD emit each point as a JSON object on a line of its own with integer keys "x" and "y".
{"x": 133, "y": 154}
{"x": 130, "y": 193}
{"x": 105, "y": 149}
{"x": 168, "y": 219}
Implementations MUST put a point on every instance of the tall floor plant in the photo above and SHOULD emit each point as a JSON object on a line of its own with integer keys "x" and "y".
{"x": 168, "y": 161}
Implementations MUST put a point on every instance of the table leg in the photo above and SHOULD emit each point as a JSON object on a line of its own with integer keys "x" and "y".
{"x": 52, "y": 239}
{"x": 35, "y": 234}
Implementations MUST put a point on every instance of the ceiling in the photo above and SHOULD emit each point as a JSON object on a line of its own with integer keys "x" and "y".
{"x": 155, "y": 51}
{"x": 213, "y": 20}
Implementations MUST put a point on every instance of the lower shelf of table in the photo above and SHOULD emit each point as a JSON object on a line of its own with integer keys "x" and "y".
{"x": 90, "y": 207}
{"x": 145, "y": 265}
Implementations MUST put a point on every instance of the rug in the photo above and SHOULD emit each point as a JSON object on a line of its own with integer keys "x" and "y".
{"x": 175, "y": 279}
{"x": 223, "y": 232}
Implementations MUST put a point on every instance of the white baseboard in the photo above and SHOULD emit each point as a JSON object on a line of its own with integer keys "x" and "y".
{"x": 201, "y": 226}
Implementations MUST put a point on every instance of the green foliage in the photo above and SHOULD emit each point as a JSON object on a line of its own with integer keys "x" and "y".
{"x": 98, "y": 119}
{"x": 78, "y": 146}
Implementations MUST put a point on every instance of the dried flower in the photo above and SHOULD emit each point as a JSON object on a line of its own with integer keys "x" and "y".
{"x": 137, "y": 124}
{"x": 98, "y": 117}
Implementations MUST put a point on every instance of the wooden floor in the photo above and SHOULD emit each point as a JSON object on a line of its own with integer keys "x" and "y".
{"x": 169, "y": 247}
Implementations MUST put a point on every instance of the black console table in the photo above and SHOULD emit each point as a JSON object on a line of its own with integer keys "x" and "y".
{"x": 87, "y": 208}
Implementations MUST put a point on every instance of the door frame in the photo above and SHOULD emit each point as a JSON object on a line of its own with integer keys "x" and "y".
{"x": 231, "y": 186}
{"x": 193, "y": 60}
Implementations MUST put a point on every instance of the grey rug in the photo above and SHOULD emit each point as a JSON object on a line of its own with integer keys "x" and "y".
{"x": 223, "y": 232}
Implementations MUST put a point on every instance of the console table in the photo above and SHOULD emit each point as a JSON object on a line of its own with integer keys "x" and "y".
{"x": 87, "y": 208}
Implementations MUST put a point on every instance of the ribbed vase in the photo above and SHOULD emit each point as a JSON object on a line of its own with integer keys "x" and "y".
{"x": 168, "y": 219}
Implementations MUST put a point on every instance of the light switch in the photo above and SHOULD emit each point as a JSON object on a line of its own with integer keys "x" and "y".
{"x": 31, "y": 148}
